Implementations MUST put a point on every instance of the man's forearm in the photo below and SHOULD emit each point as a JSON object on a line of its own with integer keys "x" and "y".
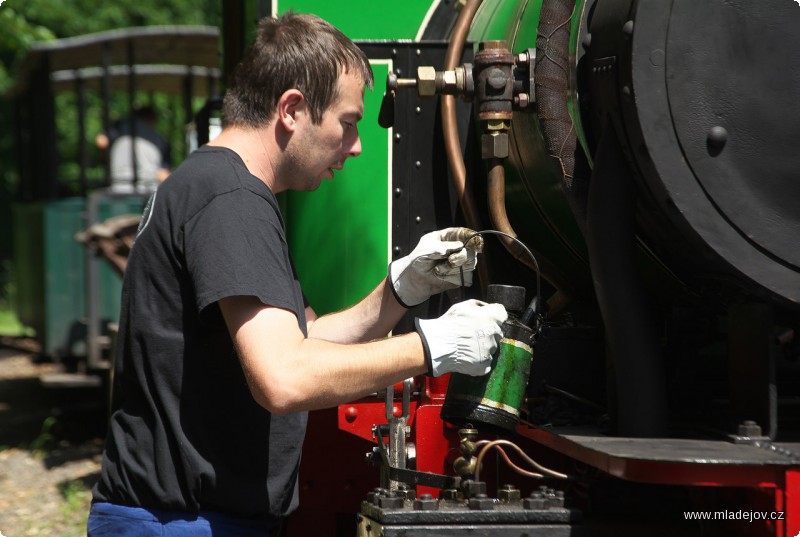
{"x": 371, "y": 318}
{"x": 321, "y": 374}
{"x": 288, "y": 372}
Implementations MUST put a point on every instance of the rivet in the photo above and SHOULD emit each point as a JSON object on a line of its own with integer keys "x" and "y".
{"x": 398, "y": 192}
{"x": 717, "y": 136}
{"x": 418, "y": 110}
{"x": 418, "y": 164}
{"x": 657, "y": 57}
{"x": 627, "y": 28}
{"x": 398, "y": 137}
{"x": 418, "y": 219}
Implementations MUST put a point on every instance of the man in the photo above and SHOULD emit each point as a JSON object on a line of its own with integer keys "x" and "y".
{"x": 151, "y": 164}
{"x": 220, "y": 356}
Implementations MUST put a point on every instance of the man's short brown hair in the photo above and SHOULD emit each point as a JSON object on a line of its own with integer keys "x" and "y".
{"x": 294, "y": 51}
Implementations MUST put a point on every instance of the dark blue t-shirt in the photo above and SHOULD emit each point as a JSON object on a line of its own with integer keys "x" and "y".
{"x": 185, "y": 432}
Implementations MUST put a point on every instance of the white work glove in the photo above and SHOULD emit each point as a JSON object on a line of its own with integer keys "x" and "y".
{"x": 463, "y": 339}
{"x": 435, "y": 265}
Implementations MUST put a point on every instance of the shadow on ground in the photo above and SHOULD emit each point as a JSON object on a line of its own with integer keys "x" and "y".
{"x": 36, "y": 417}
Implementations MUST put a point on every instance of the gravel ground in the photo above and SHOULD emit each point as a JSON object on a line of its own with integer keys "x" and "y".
{"x": 50, "y": 448}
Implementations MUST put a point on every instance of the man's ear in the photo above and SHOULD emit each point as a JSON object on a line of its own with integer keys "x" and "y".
{"x": 290, "y": 104}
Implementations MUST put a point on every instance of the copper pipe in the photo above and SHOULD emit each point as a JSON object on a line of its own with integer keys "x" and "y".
{"x": 455, "y": 160}
{"x": 496, "y": 191}
{"x": 450, "y": 128}
{"x": 496, "y": 181}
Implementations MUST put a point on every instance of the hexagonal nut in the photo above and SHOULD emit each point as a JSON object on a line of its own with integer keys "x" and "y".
{"x": 749, "y": 429}
{"x": 494, "y": 145}
{"x": 499, "y": 124}
{"x": 450, "y": 81}
{"x": 557, "y": 500}
{"x": 390, "y": 502}
{"x": 473, "y": 488}
{"x": 509, "y": 494}
{"x": 426, "y": 502}
{"x": 534, "y": 501}
{"x": 372, "y": 497}
{"x": 426, "y": 81}
{"x": 407, "y": 493}
{"x": 481, "y": 502}
{"x": 450, "y": 495}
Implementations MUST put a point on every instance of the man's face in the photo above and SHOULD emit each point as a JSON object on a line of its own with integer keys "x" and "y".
{"x": 321, "y": 149}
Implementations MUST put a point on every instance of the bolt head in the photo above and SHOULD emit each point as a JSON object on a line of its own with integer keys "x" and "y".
{"x": 481, "y": 502}
{"x": 509, "y": 494}
{"x": 450, "y": 495}
{"x": 717, "y": 137}
{"x": 535, "y": 501}
{"x": 474, "y": 488}
{"x": 749, "y": 429}
{"x": 426, "y": 502}
{"x": 627, "y": 28}
{"x": 390, "y": 501}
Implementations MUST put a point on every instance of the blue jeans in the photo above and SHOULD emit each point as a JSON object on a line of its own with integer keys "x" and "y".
{"x": 109, "y": 520}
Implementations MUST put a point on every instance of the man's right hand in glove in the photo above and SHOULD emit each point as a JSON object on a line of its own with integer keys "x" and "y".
{"x": 464, "y": 339}
{"x": 440, "y": 261}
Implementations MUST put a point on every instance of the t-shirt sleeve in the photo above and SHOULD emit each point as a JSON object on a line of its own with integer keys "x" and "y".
{"x": 235, "y": 246}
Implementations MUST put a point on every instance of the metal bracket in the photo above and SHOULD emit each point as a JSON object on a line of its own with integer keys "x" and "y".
{"x": 393, "y": 453}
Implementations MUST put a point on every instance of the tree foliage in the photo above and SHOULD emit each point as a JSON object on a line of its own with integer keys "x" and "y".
{"x": 24, "y": 22}
{"x": 17, "y": 33}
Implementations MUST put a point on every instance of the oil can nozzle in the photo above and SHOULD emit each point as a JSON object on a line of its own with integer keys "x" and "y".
{"x": 532, "y": 314}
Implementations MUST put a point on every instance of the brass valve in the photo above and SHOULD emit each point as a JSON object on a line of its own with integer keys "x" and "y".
{"x": 465, "y": 465}
{"x": 499, "y": 83}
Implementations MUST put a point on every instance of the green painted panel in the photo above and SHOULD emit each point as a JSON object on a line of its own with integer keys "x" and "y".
{"x": 366, "y": 19}
{"x": 339, "y": 234}
{"x": 65, "y": 286}
{"x": 50, "y": 271}
{"x": 28, "y": 260}
{"x": 499, "y": 20}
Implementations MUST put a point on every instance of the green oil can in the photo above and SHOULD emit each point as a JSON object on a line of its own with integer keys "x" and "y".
{"x": 492, "y": 401}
